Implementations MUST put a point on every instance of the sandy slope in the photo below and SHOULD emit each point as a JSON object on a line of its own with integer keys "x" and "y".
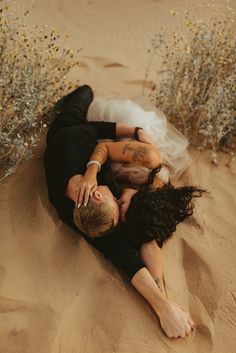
{"x": 58, "y": 295}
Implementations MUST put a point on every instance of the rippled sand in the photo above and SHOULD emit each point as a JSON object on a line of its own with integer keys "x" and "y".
{"x": 57, "y": 294}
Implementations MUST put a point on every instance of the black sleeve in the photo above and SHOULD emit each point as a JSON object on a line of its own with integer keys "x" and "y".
{"x": 104, "y": 130}
{"x": 119, "y": 251}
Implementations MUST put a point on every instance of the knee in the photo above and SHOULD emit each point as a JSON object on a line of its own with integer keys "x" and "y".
{"x": 87, "y": 92}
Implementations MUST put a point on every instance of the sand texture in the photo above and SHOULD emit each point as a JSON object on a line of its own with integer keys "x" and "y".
{"x": 57, "y": 294}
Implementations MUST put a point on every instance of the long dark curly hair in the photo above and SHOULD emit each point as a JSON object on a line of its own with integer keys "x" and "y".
{"x": 155, "y": 214}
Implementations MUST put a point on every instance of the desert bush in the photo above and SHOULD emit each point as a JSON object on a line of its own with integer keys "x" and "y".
{"x": 197, "y": 86}
{"x": 33, "y": 76}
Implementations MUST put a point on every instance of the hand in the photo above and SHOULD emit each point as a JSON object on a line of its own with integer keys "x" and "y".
{"x": 144, "y": 137}
{"x": 175, "y": 321}
{"x": 87, "y": 186}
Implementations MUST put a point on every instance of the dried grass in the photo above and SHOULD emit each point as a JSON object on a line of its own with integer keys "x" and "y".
{"x": 197, "y": 88}
{"x": 33, "y": 76}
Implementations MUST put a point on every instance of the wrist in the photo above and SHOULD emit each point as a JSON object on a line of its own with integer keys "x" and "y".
{"x": 92, "y": 168}
{"x": 162, "y": 306}
{"x": 123, "y": 130}
{"x": 94, "y": 164}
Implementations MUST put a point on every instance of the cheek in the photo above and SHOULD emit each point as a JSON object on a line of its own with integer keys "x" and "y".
{"x": 123, "y": 210}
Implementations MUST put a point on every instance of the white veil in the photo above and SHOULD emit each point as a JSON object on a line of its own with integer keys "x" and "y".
{"x": 140, "y": 112}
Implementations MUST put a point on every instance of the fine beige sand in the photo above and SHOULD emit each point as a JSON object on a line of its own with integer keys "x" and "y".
{"x": 57, "y": 294}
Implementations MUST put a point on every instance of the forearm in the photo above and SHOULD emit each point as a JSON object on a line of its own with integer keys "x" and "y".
{"x": 138, "y": 153}
{"x": 123, "y": 130}
{"x": 134, "y": 152}
{"x": 152, "y": 257}
{"x": 175, "y": 321}
{"x": 146, "y": 286}
{"x": 100, "y": 153}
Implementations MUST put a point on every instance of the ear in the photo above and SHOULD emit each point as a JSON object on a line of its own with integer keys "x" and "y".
{"x": 97, "y": 196}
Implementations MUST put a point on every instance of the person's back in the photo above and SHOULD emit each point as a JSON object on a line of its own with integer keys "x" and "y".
{"x": 66, "y": 155}
{"x": 70, "y": 142}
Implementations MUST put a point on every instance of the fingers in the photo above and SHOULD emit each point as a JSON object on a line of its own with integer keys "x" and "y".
{"x": 84, "y": 192}
{"x": 186, "y": 332}
{"x": 94, "y": 188}
{"x": 188, "y": 329}
{"x": 86, "y": 195}
{"x": 81, "y": 191}
{"x": 182, "y": 335}
{"x": 190, "y": 321}
{"x": 192, "y": 324}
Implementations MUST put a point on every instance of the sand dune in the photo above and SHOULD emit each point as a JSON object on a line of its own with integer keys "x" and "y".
{"x": 59, "y": 295}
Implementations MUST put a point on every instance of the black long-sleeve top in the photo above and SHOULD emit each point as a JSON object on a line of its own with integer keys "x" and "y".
{"x": 66, "y": 155}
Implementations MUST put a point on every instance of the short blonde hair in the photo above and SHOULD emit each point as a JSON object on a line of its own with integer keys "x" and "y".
{"x": 95, "y": 220}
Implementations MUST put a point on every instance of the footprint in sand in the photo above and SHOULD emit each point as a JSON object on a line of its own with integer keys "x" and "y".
{"x": 146, "y": 84}
{"x": 112, "y": 65}
{"x": 90, "y": 62}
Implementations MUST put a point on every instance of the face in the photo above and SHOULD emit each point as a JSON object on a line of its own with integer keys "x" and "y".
{"x": 124, "y": 201}
{"x": 104, "y": 194}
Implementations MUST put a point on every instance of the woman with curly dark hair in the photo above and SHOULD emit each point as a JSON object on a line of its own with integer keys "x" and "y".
{"x": 149, "y": 213}
{"x": 154, "y": 210}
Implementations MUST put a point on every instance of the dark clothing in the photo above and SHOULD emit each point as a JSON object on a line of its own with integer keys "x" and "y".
{"x": 70, "y": 142}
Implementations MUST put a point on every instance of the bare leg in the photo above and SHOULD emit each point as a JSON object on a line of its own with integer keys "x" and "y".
{"x": 152, "y": 258}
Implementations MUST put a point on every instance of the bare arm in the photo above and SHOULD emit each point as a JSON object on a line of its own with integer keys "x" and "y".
{"x": 138, "y": 153}
{"x": 146, "y": 155}
{"x": 134, "y": 152}
{"x": 123, "y": 130}
{"x": 174, "y": 321}
{"x": 152, "y": 257}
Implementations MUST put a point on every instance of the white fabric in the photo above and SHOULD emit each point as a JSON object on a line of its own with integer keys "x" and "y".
{"x": 140, "y": 112}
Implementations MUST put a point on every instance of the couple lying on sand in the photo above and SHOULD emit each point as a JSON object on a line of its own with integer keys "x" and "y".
{"x": 117, "y": 192}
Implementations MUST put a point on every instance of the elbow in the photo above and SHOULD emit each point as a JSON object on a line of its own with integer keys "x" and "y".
{"x": 138, "y": 277}
{"x": 153, "y": 159}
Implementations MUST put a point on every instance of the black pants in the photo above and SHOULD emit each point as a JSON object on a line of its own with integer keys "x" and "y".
{"x": 74, "y": 110}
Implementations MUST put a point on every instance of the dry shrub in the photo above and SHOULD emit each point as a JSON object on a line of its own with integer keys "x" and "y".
{"x": 33, "y": 73}
{"x": 198, "y": 87}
